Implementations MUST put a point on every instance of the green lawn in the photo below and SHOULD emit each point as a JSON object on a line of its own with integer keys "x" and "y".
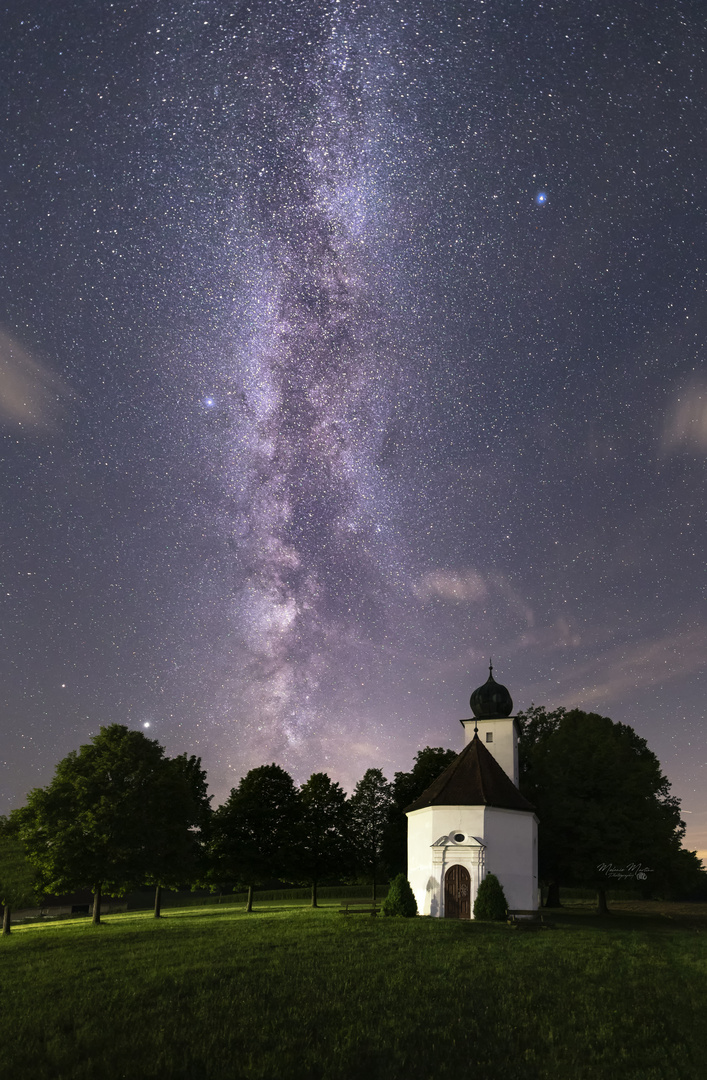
{"x": 288, "y": 992}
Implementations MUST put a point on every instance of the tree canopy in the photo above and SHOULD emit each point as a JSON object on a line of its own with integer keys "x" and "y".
{"x": 18, "y": 878}
{"x": 369, "y": 808}
{"x": 184, "y": 830}
{"x": 323, "y": 841}
{"x": 119, "y": 814}
{"x": 107, "y": 819}
{"x": 408, "y": 786}
{"x": 254, "y": 830}
{"x": 602, "y": 800}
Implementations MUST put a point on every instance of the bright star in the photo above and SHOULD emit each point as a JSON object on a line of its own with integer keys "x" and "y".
{"x": 146, "y": 724}
{"x": 541, "y": 198}
{"x": 209, "y": 402}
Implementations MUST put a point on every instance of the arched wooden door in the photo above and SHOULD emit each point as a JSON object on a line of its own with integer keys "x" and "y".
{"x": 457, "y": 893}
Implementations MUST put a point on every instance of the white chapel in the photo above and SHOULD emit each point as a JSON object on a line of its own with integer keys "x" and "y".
{"x": 473, "y": 820}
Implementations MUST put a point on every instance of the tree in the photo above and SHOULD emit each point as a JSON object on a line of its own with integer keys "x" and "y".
{"x": 18, "y": 880}
{"x": 429, "y": 764}
{"x": 602, "y": 801}
{"x": 253, "y": 832}
{"x": 101, "y": 822}
{"x": 180, "y": 857}
{"x": 323, "y": 833}
{"x": 369, "y": 809}
{"x": 688, "y": 880}
{"x": 400, "y": 900}
{"x": 490, "y": 903}
{"x": 536, "y": 726}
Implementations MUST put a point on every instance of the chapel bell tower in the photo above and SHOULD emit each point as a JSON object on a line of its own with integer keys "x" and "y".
{"x": 492, "y": 706}
{"x": 472, "y": 820}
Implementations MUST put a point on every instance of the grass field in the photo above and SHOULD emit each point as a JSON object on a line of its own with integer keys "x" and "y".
{"x": 288, "y": 992}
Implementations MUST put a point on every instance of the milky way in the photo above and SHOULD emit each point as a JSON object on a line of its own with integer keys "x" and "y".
{"x": 344, "y": 345}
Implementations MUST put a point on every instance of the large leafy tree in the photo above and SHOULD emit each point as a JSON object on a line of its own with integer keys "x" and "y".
{"x": 18, "y": 879}
{"x": 254, "y": 831}
{"x": 102, "y": 823}
{"x": 408, "y": 786}
{"x": 601, "y": 798}
{"x": 369, "y": 809}
{"x": 323, "y": 833}
{"x": 181, "y": 851}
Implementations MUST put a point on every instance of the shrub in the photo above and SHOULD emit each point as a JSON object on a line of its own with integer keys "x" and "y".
{"x": 400, "y": 899}
{"x": 490, "y": 903}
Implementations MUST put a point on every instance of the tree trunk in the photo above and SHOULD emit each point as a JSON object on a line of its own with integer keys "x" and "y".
{"x": 553, "y": 894}
{"x": 602, "y": 907}
{"x": 314, "y": 895}
{"x": 374, "y": 890}
{"x": 96, "y": 905}
{"x": 6, "y": 919}
{"x": 249, "y": 905}
{"x": 158, "y": 901}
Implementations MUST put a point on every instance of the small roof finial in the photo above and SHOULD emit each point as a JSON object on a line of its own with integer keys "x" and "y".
{"x": 490, "y": 666}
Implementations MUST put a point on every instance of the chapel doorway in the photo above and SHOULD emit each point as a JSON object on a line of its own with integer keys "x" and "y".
{"x": 457, "y": 893}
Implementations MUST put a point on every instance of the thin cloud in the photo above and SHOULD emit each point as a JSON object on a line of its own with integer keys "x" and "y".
{"x": 468, "y": 586}
{"x": 31, "y": 396}
{"x": 472, "y": 587}
{"x": 685, "y": 426}
{"x": 561, "y": 635}
{"x": 513, "y": 598}
{"x": 649, "y": 663}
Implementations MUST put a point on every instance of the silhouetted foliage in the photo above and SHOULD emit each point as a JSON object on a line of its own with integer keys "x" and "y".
{"x": 323, "y": 840}
{"x": 400, "y": 900}
{"x": 688, "y": 879}
{"x": 603, "y": 803}
{"x": 103, "y": 820}
{"x": 490, "y": 904}
{"x": 181, "y": 856}
{"x": 407, "y": 787}
{"x": 255, "y": 830}
{"x": 369, "y": 810}
{"x": 18, "y": 878}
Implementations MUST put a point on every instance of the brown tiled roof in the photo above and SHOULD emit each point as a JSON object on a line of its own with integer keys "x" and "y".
{"x": 473, "y": 779}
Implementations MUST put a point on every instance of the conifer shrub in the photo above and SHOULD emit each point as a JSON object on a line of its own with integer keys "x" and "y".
{"x": 490, "y": 904}
{"x": 400, "y": 899}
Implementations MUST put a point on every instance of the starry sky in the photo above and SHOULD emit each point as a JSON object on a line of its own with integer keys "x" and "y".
{"x": 344, "y": 345}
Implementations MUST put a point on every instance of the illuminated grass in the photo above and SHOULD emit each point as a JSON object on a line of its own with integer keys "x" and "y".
{"x": 288, "y": 992}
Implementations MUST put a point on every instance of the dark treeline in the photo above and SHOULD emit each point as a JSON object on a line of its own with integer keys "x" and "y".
{"x": 120, "y": 814}
{"x": 606, "y": 816}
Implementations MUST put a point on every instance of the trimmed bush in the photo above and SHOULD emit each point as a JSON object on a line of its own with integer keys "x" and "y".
{"x": 490, "y": 904}
{"x": 400, "y": 900}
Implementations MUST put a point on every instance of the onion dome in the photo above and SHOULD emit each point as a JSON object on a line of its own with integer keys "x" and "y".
{"x": 491, "y": 701}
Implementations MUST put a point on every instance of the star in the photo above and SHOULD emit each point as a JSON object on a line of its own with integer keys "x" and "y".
{"x": 541, "y": 198}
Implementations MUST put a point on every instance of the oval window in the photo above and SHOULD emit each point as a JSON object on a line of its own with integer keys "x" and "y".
{"x": 459, "y": 836}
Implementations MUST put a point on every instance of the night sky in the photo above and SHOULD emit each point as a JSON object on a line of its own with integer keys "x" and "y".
{"x": 342, "y": 346}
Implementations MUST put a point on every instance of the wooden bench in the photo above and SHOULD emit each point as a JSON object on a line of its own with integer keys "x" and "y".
{"x": 525, "y": 918}
{"x": 358, "y": 907}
